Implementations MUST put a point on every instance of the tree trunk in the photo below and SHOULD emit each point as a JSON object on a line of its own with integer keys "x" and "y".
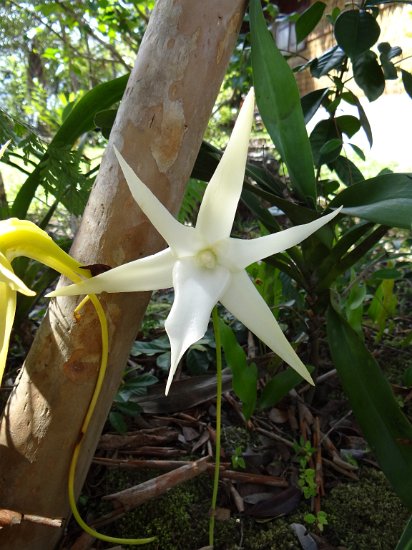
{"x": 164, "y": 112}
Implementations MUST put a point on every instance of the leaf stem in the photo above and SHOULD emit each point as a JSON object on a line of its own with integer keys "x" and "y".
{"x": 215, "y": 318}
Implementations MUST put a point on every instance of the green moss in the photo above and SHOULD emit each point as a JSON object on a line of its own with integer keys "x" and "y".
{"x": 361, "y": 516}
{"x": 179, "y": 519}
{"x": 275, "y": 534}
{"x": 366, "y": 514}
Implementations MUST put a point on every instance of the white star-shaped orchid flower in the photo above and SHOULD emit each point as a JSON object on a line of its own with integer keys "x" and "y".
{"x": 204, "y": 264}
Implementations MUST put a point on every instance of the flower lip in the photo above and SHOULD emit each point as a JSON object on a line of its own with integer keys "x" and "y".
{"x": 207, "y": 258}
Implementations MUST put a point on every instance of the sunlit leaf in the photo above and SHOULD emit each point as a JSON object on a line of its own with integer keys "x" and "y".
{"x": 277, "y": 97}
{"x": 385, "y": 199}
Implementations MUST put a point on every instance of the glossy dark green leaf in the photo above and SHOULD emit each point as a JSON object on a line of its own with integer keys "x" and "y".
{"x": 277, "y": 97}
{"x": 364, "y": 121}
{"x": 279, "y": 386}
{"x": 346, "y": 170}
{"x": 329, "y": 187}
{"x": 389, "y": 52}
{"x": 308, "y": 20}
{"x": 311, "y": 102}
{"x": 385, "y": 199}
{"x": 331, "y": 59}
{"x": 389, "y": 69}
{"x": 244, "y": 375}
{"x": 368, "y": 75}
{"x": 105, "y": 120}
{"x": 151, "y": 347}
{"x": 324, "y": 132}
{"x": 143, "y": 380}
{"x": 352, "y": 99}
{"x": 331, "y": 148}
{"x": 385, "y": 427}
{"x": 356, "y": 31}
{"x": 208, "y": 159}
{"x": 358, "y": 151}
{"x": 386, "y": 54}
{"x": 407, "y": 82}
{"x": 348, "y": 124}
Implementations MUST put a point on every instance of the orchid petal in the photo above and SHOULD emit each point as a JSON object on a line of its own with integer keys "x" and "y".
{"x": 150, "y": 273}
{"x": 243, "y": 300}
{"x": 177, "y": 236}
{"x": 8, "y": 276}
{"x": 197, "y": 290}
{"x": 239, "y": 253}
{"x": 7, "y": 309}
{"x": 24, "y": 238}
{"x": 220, "y": 201}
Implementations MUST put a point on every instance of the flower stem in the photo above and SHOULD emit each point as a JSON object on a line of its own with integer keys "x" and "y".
{"x": 215, "y": 318}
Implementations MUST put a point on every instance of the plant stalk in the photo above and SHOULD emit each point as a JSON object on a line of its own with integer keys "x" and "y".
{"x": 215, "y": 318}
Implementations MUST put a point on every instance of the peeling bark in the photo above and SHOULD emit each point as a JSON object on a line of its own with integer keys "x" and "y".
{"x": 159, "y": 128}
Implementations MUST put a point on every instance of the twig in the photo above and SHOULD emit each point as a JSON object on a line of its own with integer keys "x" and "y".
{"x": 340, "y": 469}
{"x": 10, "y": 518}
{"x": 134, "y": 496}
{"x": 272, "y": 435}
{"x": 242, "y": 477}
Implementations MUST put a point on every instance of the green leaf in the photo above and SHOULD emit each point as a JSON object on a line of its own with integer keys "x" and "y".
{"x": 385, "y": 199}
{"x": 331, "y": 59}
{"x": 364, "y": 120}
{"x": 143, "y": 380}
{"x": 311, "y": 102}
{"x": 244, "y": 378}
{"x": 368, "y": 75}
{"x": 130, "y": 408}
{"x": 324, "y": 132}
{"x": 388, "y": 51}
{"x": 358, "y": 151}
{"x": 118, "y": 422}
{"x": 208, "y": 159}
{"x": 105, "y": 120}
{"x": 348, "y": 124}
{"x": 356, "y": 31}
{"x": 386, "y": 273}
{"x": 346, "y": 170}
{"x": 79, "y": 121}
{"x": 278, "y": 100}
{"x": 383, "y": 305}
{"x": 385, "y": 427}
{"x": 405, "y": 542}
{"x": 386, "y": 54}
{"x": 407, "y": 82}
{"x": 308, "y": 20}
{"x": 158, "y": 345}
{"x": 279, "y": 386}
{"x": 331, "y": 148}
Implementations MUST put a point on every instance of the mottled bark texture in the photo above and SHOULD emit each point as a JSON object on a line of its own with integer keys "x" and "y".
{"x": 179, "y": 69}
